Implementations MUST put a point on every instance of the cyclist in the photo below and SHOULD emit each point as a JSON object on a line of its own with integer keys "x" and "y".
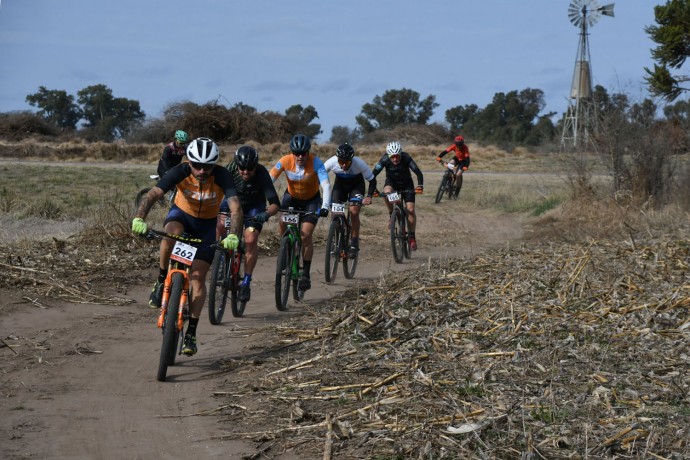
{"x": 460, "y": 160}
{"x": 254, "y": 188}
{"x": 398, "y": 178}
{"x": 350, "y": 174}
{"x": 200, "y": 189}
{"x": 173, "y": 153}
{"x": 304, "y": 174}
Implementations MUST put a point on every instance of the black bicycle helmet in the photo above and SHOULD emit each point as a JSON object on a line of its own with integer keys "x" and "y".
{"x": 300, "y": 144}
{"x": 345, "y": 152}
{"x": 246, "y": 157}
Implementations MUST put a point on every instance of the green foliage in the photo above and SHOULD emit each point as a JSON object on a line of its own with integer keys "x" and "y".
{"x": 342, "y": 134}
{"x": 19, "y": 125}
{"x": 510, "y": 118}
{"x": 107, "y": 117}
{"x": 672, "y": 34}
{"x": 57, "y": 107}
{"x": 394, "y": 108}
{"x": 299, "y": 119}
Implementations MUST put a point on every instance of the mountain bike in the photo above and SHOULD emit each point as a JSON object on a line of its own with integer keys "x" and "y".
{"x": 447, "y": 184}
{"x": 226, "y": 276}
{"x": 400, "y": 240}
{"x": 289, "y": 260}
{"x": 338, "y": 241}
{"x": 163, "y": 202}
{"x": 174, "y": 311}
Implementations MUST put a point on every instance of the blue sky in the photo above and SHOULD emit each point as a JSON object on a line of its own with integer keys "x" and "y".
{"x": 334, "y": 55}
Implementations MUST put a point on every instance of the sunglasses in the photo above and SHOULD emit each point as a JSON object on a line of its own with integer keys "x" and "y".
{"x": 300, "y": 154}
{"x": 245, "y": 169}
{"x": 201, "y": 166}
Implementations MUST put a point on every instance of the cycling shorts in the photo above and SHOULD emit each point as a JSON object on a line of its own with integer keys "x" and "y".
{"x": 204, "y": 229}
{"x": 406, "y": 189}
{"x": 311, "y": 205}
{"x": 459, "y": 163}
{"x": 248, "y": 213}
{"x": 345, "y": 189}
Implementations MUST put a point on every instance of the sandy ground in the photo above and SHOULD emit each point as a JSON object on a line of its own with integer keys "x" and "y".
{"x": 79, "y": 380}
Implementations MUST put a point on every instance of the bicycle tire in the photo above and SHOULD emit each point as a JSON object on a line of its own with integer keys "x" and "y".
{"x": 451, "y": 187}
{"x": 407, "y": 252}
{"x": 441, "y": 188}
{"x": 297, "y": 293}
{"x": 235, "y": 278}
{"x": 170, "y": 332}
{"x": 349, "y": 263}
{"x": 333, "y": 248}
{"x": 396, "y": 235}
{"x": 218, "y": 287}
{"x": 283, "y": 273}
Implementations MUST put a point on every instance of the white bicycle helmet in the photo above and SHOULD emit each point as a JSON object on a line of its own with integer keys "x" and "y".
{"x": 393, "y": 148}
{"x": 203, "y": 150}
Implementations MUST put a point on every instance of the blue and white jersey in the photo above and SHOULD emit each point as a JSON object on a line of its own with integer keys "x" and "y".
{"x": 357, "y": 167}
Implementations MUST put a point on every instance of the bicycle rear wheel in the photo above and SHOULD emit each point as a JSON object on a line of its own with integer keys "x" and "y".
{"x": 235, "y": 278}
{"x": 218, "y": 288}
{"x": 170, "y": 332}
{"x": 349, "y": 263}
{"x": 333, "y": 248}
{"x": 297, "y": 293}
{"x": 283, "y": 273}
{"x": 396, "y": 230}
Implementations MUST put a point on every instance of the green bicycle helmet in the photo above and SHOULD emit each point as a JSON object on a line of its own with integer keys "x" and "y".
{"x": 181, "y": 136}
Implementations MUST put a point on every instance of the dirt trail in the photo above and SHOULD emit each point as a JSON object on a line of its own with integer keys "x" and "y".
{"x": 79, "y": 380}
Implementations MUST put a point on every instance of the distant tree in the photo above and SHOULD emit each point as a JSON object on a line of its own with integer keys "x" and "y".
{"x": 458, "y": 116}
{"x": 108, "y": 117}
{"x": 394, "y": 108}
{"x": 56, "y": 107}
{"x": 342, "y": 134}
{"x": 510, "y": 118}
{"x": 299, "y": 119}
{"x": 672, "y": 34}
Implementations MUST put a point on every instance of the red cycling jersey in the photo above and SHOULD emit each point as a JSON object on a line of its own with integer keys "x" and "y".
{"x": 461, "y": 153}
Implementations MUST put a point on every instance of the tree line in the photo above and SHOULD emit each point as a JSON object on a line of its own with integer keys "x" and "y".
{"x": 513, "y": 118}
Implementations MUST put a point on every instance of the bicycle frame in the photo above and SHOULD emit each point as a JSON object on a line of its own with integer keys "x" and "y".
{"x": 398, "y": 226}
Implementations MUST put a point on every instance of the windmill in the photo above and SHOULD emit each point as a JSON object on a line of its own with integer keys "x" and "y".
{"x": 580, "y": 118}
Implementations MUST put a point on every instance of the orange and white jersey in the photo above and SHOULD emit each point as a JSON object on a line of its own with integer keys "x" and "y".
{"x": 303, "y": 181}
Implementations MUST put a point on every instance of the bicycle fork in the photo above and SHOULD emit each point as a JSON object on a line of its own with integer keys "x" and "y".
{"x": 184, "y": 299}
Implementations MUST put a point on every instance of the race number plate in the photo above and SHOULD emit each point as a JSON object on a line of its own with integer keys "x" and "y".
{"x": 393, "y": 197}
{"x": 338, "y": 208}
{"x": 451, "y": 166}
{"x": 227, "y": 222}
{"x": 183, "y": 253}
{"x": 290, "y": 218}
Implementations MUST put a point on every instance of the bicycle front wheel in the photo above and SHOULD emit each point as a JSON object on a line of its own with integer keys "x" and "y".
{"x": 235, "y": 278}
{"x": 218, "y": 288}
{"x": 333, "y": 248}
{"x": 283, "y": 273}
{"x": 170, "y": 332}
{"x": 397, "y": 228}
{"x": 442, "y": 187}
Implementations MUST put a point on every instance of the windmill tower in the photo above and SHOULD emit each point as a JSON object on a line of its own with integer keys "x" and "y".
{"x": 580, "y": 118}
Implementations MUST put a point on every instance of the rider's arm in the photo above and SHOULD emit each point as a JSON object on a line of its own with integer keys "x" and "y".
{"x": 323, "y": 181}
{"x": 277, "y": 169}
{"x": 266, "y": 184}
{"x": 147, "y": 201}
{"x": 441, "y": 155}
{"x": 380, "y": 165}
{"x": 415, "y": 169}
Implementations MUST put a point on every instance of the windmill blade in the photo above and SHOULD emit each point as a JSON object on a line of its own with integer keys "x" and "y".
{"x": 575, "y": 12}
{"x": 607, "y": 10}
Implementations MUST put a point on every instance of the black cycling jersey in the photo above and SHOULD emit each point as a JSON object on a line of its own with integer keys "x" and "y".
{"x": 400, "y": 173}
{"x": 256, "y": 191}
{"x": 172, "y": 156}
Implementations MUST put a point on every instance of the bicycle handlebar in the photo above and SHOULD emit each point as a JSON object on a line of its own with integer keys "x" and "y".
{"x": 153, "y": 233}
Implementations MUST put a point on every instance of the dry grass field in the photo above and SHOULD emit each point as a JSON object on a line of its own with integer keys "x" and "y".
{"x": 570, "y": 341}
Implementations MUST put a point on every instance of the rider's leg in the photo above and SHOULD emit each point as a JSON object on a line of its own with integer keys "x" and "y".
{"x": 388, "y": 189}
{"x": 354, "y": 218}
{"x": 198, "y": 287}
{"x": 307, "y": 241}
{"x": 251, "y": 250}
{"x": 173, "y": 227}
{"x": 411, "y": 217}
{"x": 458, "y": 180}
